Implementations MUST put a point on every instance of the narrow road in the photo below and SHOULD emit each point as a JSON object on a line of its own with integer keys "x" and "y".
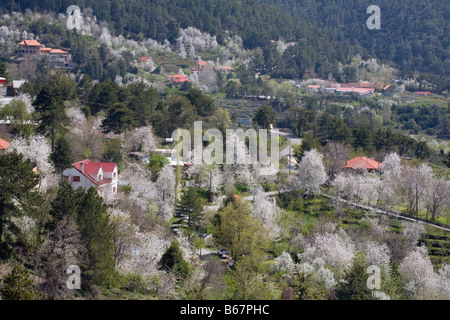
{"x": 361, "y": 206}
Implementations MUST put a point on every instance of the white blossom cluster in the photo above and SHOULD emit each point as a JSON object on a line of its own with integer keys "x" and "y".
{"x": 192, "y": 39}
{"x": 334, "y": 249}
{"x": 266, "y": 211}
{"x": 37, "y": 150}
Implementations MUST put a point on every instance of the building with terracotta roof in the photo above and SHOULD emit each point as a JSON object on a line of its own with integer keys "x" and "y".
{"x": 226, "y": 68}
{"x": 3, "y": 146}
{"x": 103, "y": 176}
{"x": 423, "y": 93}
{"x": 29, "y": 47}
{"x": 201, "y": 65}
{"x": 57, "y": 57}
{"x": 363, "y": 163}
{"x": 178, "y": 78}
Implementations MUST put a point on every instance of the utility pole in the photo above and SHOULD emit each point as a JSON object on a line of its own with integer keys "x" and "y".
{"x": 289, "y": 164}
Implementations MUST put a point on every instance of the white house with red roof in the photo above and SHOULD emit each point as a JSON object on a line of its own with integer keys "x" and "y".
{"x": 103, "y": 176}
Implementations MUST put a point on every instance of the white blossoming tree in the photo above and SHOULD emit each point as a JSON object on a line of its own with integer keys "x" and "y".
{"x": 166, "y": 184}
{"x": 335, "y": 250}
{"x": 416, "y": 271}
{"x": 311, "y": 171}
{"x": 391, "y": 165}
{"x": 266, "y": 211}
{"x": 143, "y": 139}
{"x": 37, "y": 150}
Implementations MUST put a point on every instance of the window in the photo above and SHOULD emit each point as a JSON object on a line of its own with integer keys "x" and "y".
{"x": 115, "y": 174}
{"x": 114, "y": 189}
{"x": 76, "y": 178}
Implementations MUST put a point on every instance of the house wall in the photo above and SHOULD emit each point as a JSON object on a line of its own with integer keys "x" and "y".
{"x": 84, "y": 182}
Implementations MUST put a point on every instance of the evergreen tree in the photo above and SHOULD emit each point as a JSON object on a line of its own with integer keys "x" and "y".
{"x": 50, "y": 112}
{"x": 118, "y": 120}
{"x": 97, "y": 233}
{"x": 191, "y": 205}
{"x": 172, "y": 260}
{"x": 17, "y": 189}
{"x": 18, "y": 285}
{"x": 62, "y": 155}
{"x": 355, "y": 285}
{"x": 265, "y": 116}
{"x": 64, "y": 205}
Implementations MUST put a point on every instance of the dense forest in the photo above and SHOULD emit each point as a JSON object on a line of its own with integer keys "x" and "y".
{"x": 413, "y": 34}
{"x": 260, "y": 26}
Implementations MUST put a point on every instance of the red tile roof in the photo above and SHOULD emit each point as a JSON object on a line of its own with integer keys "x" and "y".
{"x": 179, "y": 78}
{"x": 4, "y": 144}
{"x": 143, "y": 59}
{"x": 363, "y": 162}
{"x": 423, "y": 92}
{"x": 313, "y": 86}
{"x": 58, "y": 51}
{"x": 30, "y": 43}
{"x": 202, "y": 63}
{"x": 46, "y": 49}
{"x": 92, "y": 168}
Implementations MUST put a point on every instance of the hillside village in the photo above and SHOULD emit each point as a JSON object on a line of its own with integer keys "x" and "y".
{"x": 90, "y": 176}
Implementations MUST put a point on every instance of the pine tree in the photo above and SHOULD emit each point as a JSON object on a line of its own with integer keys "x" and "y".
{"x": 62, "y": 155}
{"x": 191, "y": 205}
{"x": 265, "y": 116}
{"x": 98, "y": 235}
{"x": 50, "y": 112}
{"x": 118, "y": 120}
{"x": 17, "y": 285}
{"x": 172, "y": 260}
{"x": 355, "y": 285}
{"x": 17, "y": 193}
{"x": 64, "y": 205}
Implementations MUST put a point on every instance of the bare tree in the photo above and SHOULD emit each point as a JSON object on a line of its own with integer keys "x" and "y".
{"x": 335, "y": 156}
{"x": 437, "y": 198}
{"x": 414, "y": 184}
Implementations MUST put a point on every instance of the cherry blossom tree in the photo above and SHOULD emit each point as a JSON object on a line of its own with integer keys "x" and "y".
{"x": 166, "y": 184}
{"x": 444, "y": 280}
{"x": 37, "y": 150}
{"x": 321, "y": 276}
{"x": 143, "y": 139}
{"x": 416, "y": 272}
{"x": 412, "y": 231}
{"x": 284, "y": 264}
{"x": 377, "y": 254}
{"x": 334, "y": 249}
{"x": 391, "y": 165}
{"x": 311, "y": 171}
{"x": 266, "y": 211}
